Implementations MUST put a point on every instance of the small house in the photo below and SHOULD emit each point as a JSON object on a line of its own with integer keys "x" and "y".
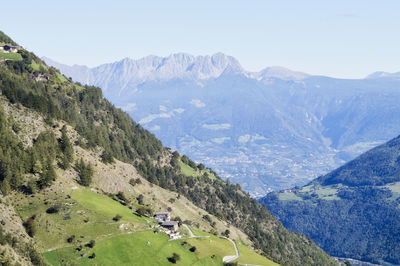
{"x": 171, "y": 225}
{"x": 9, "y": 48}
{"x": 162, "y": 217}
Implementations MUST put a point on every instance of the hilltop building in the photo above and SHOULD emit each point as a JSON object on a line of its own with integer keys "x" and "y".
{"x": 162, "y": 217}
{"x": 9, "y": 48}
{"x": 173, "y": 226}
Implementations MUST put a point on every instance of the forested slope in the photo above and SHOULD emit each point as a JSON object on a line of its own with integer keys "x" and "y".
{"x": 354, "y": 211}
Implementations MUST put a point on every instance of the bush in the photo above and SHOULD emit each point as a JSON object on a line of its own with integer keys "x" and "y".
{"x": 145, "y": 211}
{"x": 53, "y": 209}
{"x": 134, "y": 181}
{"x": 226, "y": 233}
{"x": 71, "y": 239}
{"x": 192, "y": 249}
{"x": 91, "y": 244}
{"x": 30, "y": 226}
{"x": 140, "y": 199}
{"x": 121, "y": 196}
{"x": 117, "y": 217}
{"x": 92, "y": 256}
{"x": 175, "y": 257}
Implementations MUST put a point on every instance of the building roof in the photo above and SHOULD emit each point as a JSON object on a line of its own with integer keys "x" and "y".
{"x": 163, "y": 213}
{"x": 169, "y": 223}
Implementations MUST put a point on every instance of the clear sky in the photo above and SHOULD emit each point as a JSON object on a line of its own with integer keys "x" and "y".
{"x": 341, "y": 38}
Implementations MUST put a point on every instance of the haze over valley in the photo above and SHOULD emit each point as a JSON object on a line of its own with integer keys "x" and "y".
{"x": 266, "y": 130}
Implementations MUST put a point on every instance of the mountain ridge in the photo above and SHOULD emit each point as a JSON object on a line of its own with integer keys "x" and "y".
{"x": 207, "y": 66}
{"x": 352, "y": 211}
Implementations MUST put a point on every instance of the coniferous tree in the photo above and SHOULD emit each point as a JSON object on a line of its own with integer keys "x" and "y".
{"x": 47, "y": 177}
{"x": 66, "y": 149}
{"x": 85, "y": 172}
{"x": 5, "y": 187}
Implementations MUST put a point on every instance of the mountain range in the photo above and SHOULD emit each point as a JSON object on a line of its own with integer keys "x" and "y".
{"x": 266, "y": 130}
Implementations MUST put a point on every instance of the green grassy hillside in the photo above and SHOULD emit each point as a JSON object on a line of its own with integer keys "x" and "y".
{"x": 10, "y": 56}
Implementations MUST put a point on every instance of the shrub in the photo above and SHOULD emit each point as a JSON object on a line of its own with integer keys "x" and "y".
{"x": 120, "y": 195}
{"x": 171, "y": 200}
{"x": 175, "y": 257}
{"x": 30, "y": 226}
{"x": 71, "y": 239}
{"x": 145, "y": 211}
{"x": 192, "y": 249}
{"x": 53, "y": 209}
{"x": 92, "y": 256}
{"x": 140, "y": 199}
{"x": 226, "y": 233}
{"x": 91, "y": 244}
{"x": 117, "y": 217}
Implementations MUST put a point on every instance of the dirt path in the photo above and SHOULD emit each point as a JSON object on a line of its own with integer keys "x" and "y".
{"x": 233, "y": 257}
{"x": 226, "y": 258}
{"x": 191, "y": 233}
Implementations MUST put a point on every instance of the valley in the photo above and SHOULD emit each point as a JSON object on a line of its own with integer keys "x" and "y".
{"x": 269, "y": 130}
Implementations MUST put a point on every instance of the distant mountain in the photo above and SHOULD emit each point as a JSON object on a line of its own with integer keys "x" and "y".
{"x": 280, "y": 73}
{"x": 267, "y": 130}
{"x": 354, "y": 211}
{"x": 381, "y": 74}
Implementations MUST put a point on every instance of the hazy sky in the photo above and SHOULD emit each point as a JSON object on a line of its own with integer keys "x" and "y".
{"x": 336, "y": 38}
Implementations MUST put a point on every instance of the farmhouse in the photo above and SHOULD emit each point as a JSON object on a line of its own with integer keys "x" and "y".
{"x": 162, "y": 217}
{"x": 170, "y": 225}
{"x": 9, "y": 48}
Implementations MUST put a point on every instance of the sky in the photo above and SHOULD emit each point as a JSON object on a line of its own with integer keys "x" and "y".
{"x": 346, "y": 39}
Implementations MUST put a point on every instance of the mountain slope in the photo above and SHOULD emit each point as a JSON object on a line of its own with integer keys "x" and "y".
{"x": 352, "y": 211}
{"x": 266, "y": 131}
{"x": 59, "y": 137}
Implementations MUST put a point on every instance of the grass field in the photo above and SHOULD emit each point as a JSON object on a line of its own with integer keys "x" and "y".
{"x": 10, "y": 56}
{"x": 36, "y": 66}
{"x": 104, "y": 205}
{"x": 189, "y": 171}
{"x": 61, "y": 78}
{"x": 85, "y": 214}
{"x": 327, "y": 193}
{"x": 395, "y": 188}
{"x": 208, "y": 246}
{"x": 289, "y": 196}
{"x": 149, "y": 248}
{"x": 248, "y": 256}
{"x": 143, "y": 248}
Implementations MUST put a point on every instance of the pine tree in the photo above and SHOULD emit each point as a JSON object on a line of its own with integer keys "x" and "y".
{"x": 5, "y": 187}
{"x": 66, "y": 149}
{"x": 47, "y": 177}
{"x": 85, "y": 172}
